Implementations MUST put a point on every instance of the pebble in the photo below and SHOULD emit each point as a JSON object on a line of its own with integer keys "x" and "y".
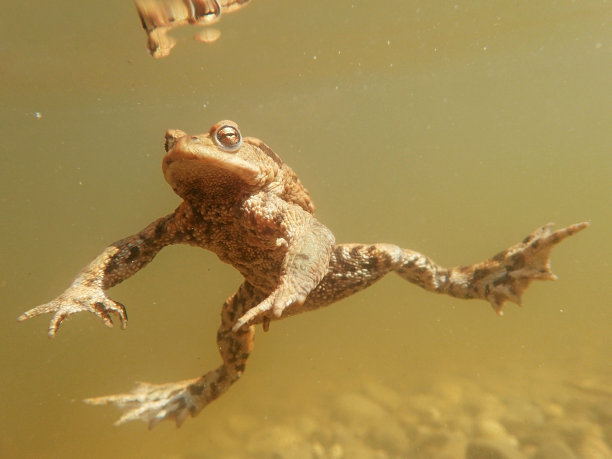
{"x": 383, "y": 395}
{"x": 492, "y": 449}
{"x": 450, "y": 392}
{"x": 519, "y": 414}
{"x": 358, "y": 410}
{"x": 553, "y": 410}
{"x": 555, "y": 450}
{"x": 491, "y": 428}
{"x": 286, "y": 442}
{"x": 604, "y": 410}
{"x": 370, "y": 420}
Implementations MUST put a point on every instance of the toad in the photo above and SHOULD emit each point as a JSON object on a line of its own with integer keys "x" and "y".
{"x": 241, "y": 201}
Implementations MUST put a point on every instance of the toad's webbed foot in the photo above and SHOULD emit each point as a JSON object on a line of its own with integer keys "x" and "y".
{"x": 153, "y": 403}
{"x": 505, "y": 276}
{"x": 80, "y": 296}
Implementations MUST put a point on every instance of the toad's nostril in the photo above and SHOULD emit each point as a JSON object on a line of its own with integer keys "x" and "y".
{"x": 172, "y": 136}
{"x": 168, "y": 143}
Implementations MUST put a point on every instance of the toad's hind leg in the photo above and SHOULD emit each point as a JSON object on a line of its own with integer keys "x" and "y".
{"x": 153, "y": 403}
{"x": 501, "y": 278}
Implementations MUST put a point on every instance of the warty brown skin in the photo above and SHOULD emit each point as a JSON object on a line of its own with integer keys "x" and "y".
{"x": 244, "y": 204}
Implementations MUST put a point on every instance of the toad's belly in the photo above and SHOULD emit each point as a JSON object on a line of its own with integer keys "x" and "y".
{"x": 260, "y": 267}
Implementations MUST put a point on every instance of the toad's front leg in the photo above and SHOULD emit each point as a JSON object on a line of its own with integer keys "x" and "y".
{"x": 115, "y": 264}
{"x": 153, "y": 403}
{"x": 309, "y": 248}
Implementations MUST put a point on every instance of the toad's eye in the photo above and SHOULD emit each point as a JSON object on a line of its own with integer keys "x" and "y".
{"x": 228, "y": 138}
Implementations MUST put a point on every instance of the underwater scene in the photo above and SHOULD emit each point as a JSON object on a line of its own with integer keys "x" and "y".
{"x": 450, "y": 129}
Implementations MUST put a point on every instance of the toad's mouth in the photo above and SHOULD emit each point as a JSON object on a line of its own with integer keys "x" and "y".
{"x": 209, "y": 169}
{"x": 197, "y": 160}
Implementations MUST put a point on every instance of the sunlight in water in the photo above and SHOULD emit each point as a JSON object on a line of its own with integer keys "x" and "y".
{"x": 451, "y": 129}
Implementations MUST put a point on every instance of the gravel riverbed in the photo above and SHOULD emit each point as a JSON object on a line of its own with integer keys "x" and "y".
{"x": 453, "y": 419}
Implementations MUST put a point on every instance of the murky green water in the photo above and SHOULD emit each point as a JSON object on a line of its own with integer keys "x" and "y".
{"x": 452, "y": 128}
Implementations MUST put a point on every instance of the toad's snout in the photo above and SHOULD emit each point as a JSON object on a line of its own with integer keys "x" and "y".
{"x": 172, "y": 136}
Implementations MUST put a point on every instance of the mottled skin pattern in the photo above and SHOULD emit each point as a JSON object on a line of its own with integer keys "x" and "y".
{"x": 243, "y": 203}
{"x": 158, "y": 17}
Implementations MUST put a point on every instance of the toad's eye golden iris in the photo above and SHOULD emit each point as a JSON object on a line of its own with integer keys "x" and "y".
{"x": 228, "y": 138}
